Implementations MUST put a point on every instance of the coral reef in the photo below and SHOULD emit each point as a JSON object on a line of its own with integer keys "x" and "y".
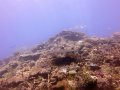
{"x": 68, "y": 61}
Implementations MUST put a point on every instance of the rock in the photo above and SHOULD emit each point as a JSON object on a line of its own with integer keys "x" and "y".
{"x": 72, "y": 72}
{"x": 53, "y": 81}
{"x": 34, "y": 56}
{"x": 94, "y": 66}
{"x": 63, "y": 70}
{"x": 94, "y": 78}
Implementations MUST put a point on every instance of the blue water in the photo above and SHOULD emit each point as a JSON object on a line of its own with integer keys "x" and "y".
{"x": 24, "y": 23}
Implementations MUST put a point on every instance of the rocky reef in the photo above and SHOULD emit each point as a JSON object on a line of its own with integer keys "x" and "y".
{"x": 69, "y": 61}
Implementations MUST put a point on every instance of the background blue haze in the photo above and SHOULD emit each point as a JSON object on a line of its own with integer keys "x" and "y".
{"x": 24, "y": 23}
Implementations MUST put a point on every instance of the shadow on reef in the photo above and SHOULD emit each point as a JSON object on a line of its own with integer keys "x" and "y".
{"x": 63, "y": 61}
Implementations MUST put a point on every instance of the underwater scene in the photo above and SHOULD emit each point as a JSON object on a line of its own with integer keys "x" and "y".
{"x": 59, "y": 45}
